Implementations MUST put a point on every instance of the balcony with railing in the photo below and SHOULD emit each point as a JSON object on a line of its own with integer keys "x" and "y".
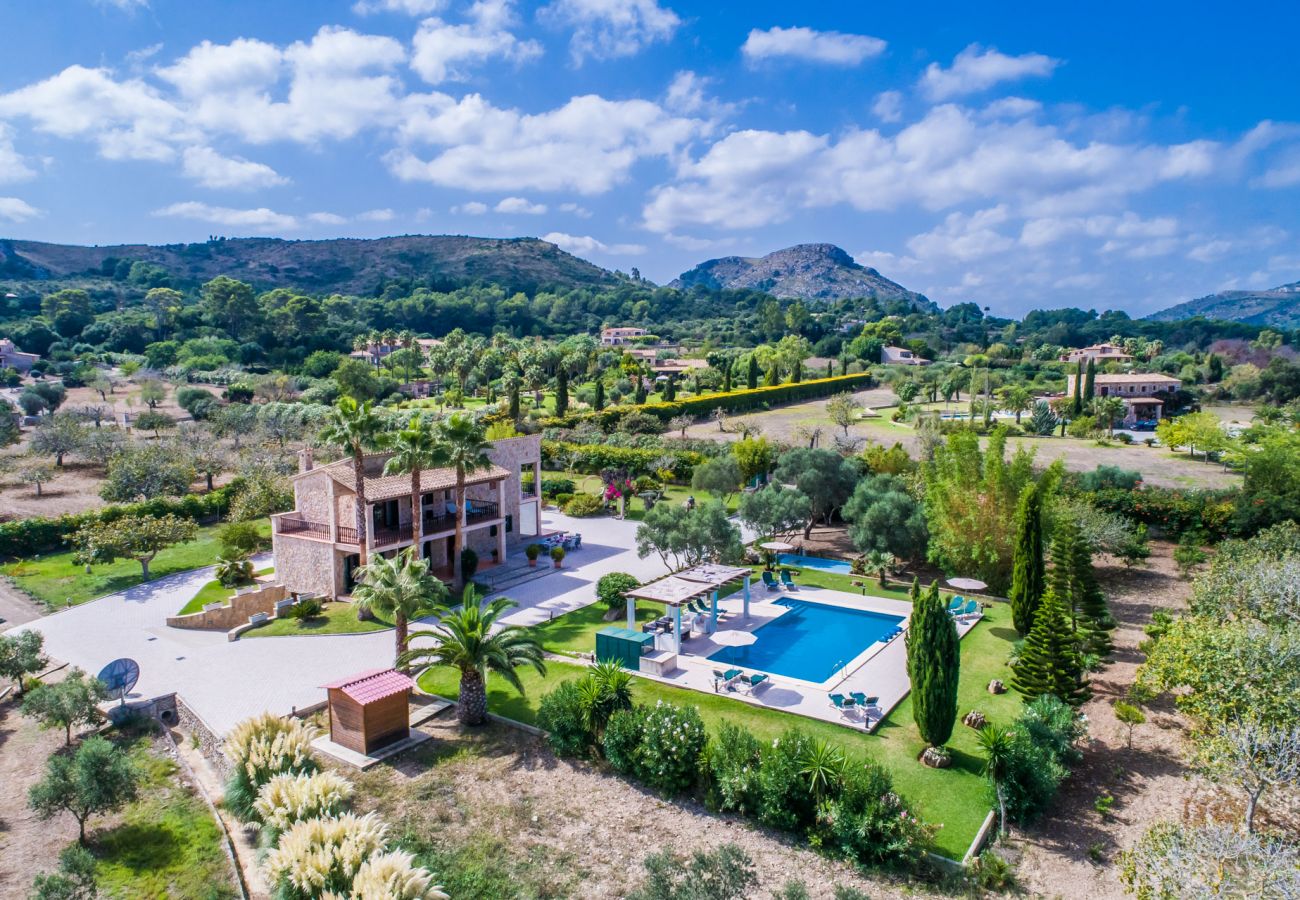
{"x": 384, "y": 535}
{"x": 478, "y": 511}
{"x": 295, "y": 524}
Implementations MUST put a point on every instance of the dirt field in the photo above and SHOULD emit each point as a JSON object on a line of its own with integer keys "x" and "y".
{"x": 1158, "y": 466}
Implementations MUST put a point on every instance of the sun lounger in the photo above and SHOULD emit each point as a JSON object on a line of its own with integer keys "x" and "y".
{"x": 752, "y": 682}
{"x": 842, "y": 703}
{"x": 770, "y": 581}
{"x": 971, "y": 608}
{"x": 954, "y": 606}
{"x": 788, "y": 581}
{"x": 723, "y": 679}
{"x": 863, "y": 700}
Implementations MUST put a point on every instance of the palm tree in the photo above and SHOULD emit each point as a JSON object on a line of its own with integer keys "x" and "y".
{"x": 997, "y": 742}
{"x": 415, "y": 448}
{"x": 1018, "y": 399}
{"x": 879, "y": 561}
{"x": 467, "y": 641}
{"x": 1109, "y": 409}
{"x": 465, "y": 450}
{"x": 400, "y": 588}
{"x": 354, "y": 428}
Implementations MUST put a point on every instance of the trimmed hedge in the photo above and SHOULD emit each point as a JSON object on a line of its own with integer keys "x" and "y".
{"x": 26, "y": 537}
{"x": 592, "y": 458}
{"x": 736, "y": 401}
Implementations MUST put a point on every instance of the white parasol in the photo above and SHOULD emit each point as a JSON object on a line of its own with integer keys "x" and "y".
{"x": 967, "y": 584}
{"x": 777, "y": 546}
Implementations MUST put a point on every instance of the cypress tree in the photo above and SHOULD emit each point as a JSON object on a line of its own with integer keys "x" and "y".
{"x": 1077, "y": 406}
{"x": 1050, "y": 661}
{"x": 514, "y": 401}
{"x": 561, "y": 392}
{"x": 1028, "y": 572}
{"x": 726, "y": 380}
{"x": 751, "y": 377}
{"x": 933, "y": 666}
{"x": 1089, "y": 382}
{"x": 830, "y": 368}
{"x": 844, "y": 365}
{"x": 670, "y": 390}
{"x": 599, "y": 400}
{"x": 796, "y": 375}
{"x": 773, "y": 376}
{"x": 638, "y": 396}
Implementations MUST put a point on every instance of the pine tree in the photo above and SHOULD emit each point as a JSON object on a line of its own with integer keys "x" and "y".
{"x": 1028, "y": 569}
{"x": 933, "y": 666}
{"x": 751, "y": 376}
{"x": 599, "y": 400}
{"x": 1090, "y": 382}
{"x": 1050, "y": 661}
{"x": 1096, "y": 622}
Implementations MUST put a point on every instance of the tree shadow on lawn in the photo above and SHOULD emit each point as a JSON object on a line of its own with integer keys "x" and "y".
{"x": 138, "y": 847}
{"x": 1004, "y": 634}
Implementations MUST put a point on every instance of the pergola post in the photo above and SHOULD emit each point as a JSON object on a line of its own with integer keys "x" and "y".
{"x": 677, "y": 627}
{"x": 713, "y": 612}
{"x": 746, "y": 596}
{"x": 631, "y": 614}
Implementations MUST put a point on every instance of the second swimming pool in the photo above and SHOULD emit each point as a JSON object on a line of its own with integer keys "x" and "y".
{"x": 821, "y": 563}
{"x": 811, "y": 641}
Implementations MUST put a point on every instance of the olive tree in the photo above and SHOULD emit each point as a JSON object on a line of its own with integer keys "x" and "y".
{"x": 140, "y": 538}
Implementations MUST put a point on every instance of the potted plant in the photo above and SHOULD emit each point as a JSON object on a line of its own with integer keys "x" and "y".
{"x": 532, "y": 551}
{"x": 557, "y": 555}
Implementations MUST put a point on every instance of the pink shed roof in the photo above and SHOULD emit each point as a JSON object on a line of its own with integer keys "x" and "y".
{"x": 375, "y": 684}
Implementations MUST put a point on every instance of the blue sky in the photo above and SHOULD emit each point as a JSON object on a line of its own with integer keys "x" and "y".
{"x": 1107, "y": 155}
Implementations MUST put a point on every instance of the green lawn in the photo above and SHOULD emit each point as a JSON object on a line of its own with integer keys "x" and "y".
{"x": 168, "y": 844}
{"x": 673, "y": 493}
{"x": 213, "y": 592}
{"x": 58, "y": 581}
{"x": 955, "y": 797}
{"x": 335, "y": 618}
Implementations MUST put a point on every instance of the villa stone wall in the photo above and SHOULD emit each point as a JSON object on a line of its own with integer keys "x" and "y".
{"x": 311, "y": 493}
{"x": 513, "y": 454}
{"x": 241, "y": 606}
{"x": 307, "y": 566}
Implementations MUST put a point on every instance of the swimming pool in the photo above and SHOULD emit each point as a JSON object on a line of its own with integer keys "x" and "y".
{"x": 838, "y": 566}
{"x": 811, "y": 641}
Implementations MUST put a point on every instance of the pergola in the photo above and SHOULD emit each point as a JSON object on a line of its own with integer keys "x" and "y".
{"x": 682, "y": 587}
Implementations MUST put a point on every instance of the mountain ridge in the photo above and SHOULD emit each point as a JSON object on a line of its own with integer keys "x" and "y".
{"x": 1277, "y": 307}
{"x": 818, "y": 272}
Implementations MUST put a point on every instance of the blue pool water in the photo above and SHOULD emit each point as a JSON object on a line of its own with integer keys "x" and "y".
{"x": 815, "y": 562}
{"x": 811, "y": 641}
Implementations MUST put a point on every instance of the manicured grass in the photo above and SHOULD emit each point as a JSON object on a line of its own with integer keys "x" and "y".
{"x": 956, "y": 797}
{"x": 168, "y": 844}
{"x": 335, "y": 618}
{"x": 213, "y": 592}
{"x": 57, "y": 580}
{"x": 635, "y": 509}
{"x": 575, "y": 632}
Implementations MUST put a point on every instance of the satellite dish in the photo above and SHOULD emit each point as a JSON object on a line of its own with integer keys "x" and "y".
{"x": 119, "y": 677}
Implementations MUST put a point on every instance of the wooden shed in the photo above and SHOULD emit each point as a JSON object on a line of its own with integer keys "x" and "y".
{"x": 370, "y": 710}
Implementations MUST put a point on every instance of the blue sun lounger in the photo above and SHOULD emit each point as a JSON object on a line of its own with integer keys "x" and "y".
{"x": 770, "y": 580}
{"x": 788, "y": 581}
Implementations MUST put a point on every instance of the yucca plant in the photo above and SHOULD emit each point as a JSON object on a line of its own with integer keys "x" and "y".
{"x": 821, "y": 765}
{"x": 286, "y": 800}
{"x": 259, "y": 749}
{"x": 320, "y": 855}
{"x": 391, "y": 876}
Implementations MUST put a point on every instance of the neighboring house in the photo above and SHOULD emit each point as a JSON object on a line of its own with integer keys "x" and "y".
{"x": 900, "y": 356}
{"x": 317, "y": 545}
{"x": 1099, "y": 353}
{"x": 13, "y": 358}
{"x": 667, "y": 367}
{"x": 615, "y": 337}
{"x": 1144, "y": 394}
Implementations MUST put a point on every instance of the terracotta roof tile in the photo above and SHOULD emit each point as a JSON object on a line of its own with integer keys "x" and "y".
{"x": 375, "y": 684}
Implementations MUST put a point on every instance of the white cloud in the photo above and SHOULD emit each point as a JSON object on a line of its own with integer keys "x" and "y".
{"x": 210, "y": 169}
{"x": 587, "y": 145}
{"x": 977, "y": 69}
{"x": 1011, "y": 108}
{"x": 583, "y": 244}
{"x": 1285, "y": 173}
{"x": 965, "y": 238}
{"x": 14, "y": 210}
{"x": 442, "y": 51}
{"x": 831, "y": 47}
{"x": 13, "y": 166}
{"x": 888, "y": 106}
{"x": 376, "y": 215}
{"x": 608, "y": 29}
{"x": 472, "y": 208}
{"x": 126, "y": 6}
{"x": 1210, "y": 251}
{"x": 1115, "y": 229}
{"x": 949, "y": 158}
{"x": 260, "y": 219}
{"x": 520, "y": 205}
{"x": 404, "y": 7}
{"x": 325, "y": 218}
{"x": 686, "y": 95}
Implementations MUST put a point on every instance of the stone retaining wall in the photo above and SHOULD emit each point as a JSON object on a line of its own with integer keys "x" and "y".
{"x": 235, "y": 613}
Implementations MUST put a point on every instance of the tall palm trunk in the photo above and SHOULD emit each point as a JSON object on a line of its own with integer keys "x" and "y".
{"x": 460, "y": 518}
{"x": 472, "y": 708}
{"x": 400, "y": 634}
{"x": 415, "y": 507}
{"x": 359, "y": 473}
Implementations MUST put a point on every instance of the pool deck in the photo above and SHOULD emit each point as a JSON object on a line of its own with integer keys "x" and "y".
{"x": 881, "y": 671}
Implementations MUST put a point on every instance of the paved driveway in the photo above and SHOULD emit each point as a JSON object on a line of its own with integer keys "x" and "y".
{"x": 225, "y": 682}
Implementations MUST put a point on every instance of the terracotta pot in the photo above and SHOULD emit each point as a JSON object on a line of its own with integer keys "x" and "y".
{"x": 532, "y": 562}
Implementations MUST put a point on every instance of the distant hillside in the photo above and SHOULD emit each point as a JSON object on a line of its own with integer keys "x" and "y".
{"x": 1278, "y": 307}
{"x": 805, "y": 271}
{"x": 347, "y": 266}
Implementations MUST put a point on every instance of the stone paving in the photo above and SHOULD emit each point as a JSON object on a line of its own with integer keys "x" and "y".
{"x": 224, "y": 682}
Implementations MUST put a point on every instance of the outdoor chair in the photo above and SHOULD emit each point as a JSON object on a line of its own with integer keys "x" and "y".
{"x": 842, "y": 703}
{"x": 577, "y": 541}
{"x": 788, "y": 581}
{"x": 863, "y": 700}
{"x": 723, "y": 679}
{"x": 752, "y": 682}
{"x": 971, "y": 608}
{"x": 771, "y": 582}
{"x": 955, "y": 605}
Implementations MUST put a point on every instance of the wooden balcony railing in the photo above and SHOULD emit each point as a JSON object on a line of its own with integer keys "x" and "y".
{"x": 299, "y": 525}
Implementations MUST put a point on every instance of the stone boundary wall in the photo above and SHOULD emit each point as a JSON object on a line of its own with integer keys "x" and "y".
{"x": 235, "y": 613}
{"x": 209, "y": 743}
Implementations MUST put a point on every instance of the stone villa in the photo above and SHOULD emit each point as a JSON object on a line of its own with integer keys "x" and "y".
{"x": 1099, "y": 353}
{"x": 901, "y": 356}
{"x": 616, "y": 337}
{"x": 317, "y": 545}
{"x": 1141, "y": 393}
{"x": 13, "y": 358}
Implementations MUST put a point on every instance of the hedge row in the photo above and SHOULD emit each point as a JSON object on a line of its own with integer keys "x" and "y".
{"x": 733, "y": 402}
{"x": 27, "y": 537}
{"x": 1173, "y": 511}
{"x": 591, "y": 458}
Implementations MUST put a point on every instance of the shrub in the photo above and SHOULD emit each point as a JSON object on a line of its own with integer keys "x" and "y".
{"x": 468, "y": 564}
{"x": 532, "y": 551}
{"x": 1081, "y": 427}
{"x": 1041, "y": 752}
{"x": 583, "y": 505}
{"x": 726, "y": 873}
{"x": 611, "y": 587}
{"x": 557, "y": 554}
{"x": 785, "y": 802}
{"x": 870, "y": 824}
{"x": 731, "y": 767}
{"x": 321, "y": 855}
{"x": 553, "y": 486}
{"x": 1108, "y": 477}
{"x": 259, "y": 749}
{"x": 306, "y": 608}
{"x": 286, "y": 800}
{"x": 561, "y": 500}
{"x": 240, "y": 538}
{"x": 560, "y": 714}
{"x": 234, "y": 571}
{"x": 592, "y": 458}
{"x": 623, "y": 739}
{"x": 672, "y": 739}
